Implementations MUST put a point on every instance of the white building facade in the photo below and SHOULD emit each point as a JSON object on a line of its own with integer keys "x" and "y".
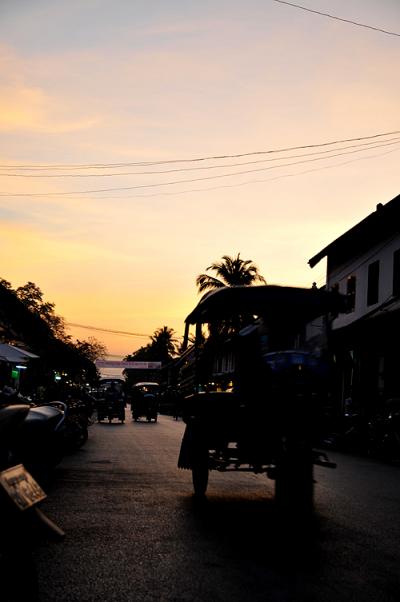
{"x": 364, "y": 265}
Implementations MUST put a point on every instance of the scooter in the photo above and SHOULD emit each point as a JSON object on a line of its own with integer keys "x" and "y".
{"x": 77, "y": 420}
{"x": 21, "y": 521}
{"x": 39, "y": 443}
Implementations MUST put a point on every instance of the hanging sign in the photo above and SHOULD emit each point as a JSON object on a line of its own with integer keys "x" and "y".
{"x": 122, "y": 364}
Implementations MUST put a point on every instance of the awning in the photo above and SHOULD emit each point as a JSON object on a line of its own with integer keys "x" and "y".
{"x": 15, "y": 355}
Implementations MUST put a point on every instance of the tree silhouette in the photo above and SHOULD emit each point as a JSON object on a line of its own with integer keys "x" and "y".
{"x": 32, "y": 297}
{"x": 92, "y": 349}
{"x": 27, "y": 319}
{"x": 231, "y": 271}
{"x": 164, "y": 342}
{"x": 162, "y": 347}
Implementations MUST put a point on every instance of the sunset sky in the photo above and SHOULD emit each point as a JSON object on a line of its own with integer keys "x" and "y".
{"x": 89, "y": 83}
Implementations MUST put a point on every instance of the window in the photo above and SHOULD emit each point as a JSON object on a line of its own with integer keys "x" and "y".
{"x": 335, "y": 289}
{"x": 396, "y": 272}
{"x": 351, "y": 293}
{"x": 373, "y": 283}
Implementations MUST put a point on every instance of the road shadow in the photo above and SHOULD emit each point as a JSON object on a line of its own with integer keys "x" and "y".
{"x": 254, "y": 530}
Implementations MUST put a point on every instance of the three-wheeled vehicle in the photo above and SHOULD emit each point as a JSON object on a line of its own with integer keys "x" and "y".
{"x": 254, "y": 392}
{"x": 145, "y": 400}
{"x": 111, "y": 400}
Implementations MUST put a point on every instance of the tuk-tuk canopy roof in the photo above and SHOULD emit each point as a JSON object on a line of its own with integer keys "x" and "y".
{"x": 269, "y": 301}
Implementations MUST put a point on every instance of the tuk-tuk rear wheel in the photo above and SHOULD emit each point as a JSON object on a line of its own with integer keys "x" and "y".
{"x": 200, "y": 478}
{"x": 294, "y": 483}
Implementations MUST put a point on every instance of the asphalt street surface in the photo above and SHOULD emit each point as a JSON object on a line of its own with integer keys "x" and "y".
{"x": 135, "y": 532}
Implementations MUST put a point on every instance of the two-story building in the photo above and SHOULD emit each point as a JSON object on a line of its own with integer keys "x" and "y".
{"x": 364, "y": 265}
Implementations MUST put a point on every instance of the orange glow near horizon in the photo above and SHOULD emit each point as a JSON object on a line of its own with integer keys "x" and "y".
{"x": 136, "y": 86}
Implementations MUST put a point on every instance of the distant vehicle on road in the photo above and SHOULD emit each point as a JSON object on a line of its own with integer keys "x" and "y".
{"x": 145, "y": 401}
{"x": 111, "y": 400}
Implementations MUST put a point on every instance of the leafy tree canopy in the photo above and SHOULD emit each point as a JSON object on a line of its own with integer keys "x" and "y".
{"x": 92, "y": 349}
{"x": 32, "y": 297}
{"x": 53, "y": 344}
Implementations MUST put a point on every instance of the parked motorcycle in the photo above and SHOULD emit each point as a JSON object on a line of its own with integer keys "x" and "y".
{"x": 77, "y": 420}
{"x": 352, "y": 436}
{"x": 384, "y": 432}
{"x": 49, "y": 431}
{"x": 22, "y": 523}
{"x": 39, "y": 443}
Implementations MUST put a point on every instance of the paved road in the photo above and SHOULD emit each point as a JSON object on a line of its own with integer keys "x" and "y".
{"x": 134, "y": 531}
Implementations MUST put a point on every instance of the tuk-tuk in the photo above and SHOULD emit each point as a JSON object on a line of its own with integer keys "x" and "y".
{"x": 145, "y": 401}
{"x": 111, "y": 400}
{"x": 253, "y": 390}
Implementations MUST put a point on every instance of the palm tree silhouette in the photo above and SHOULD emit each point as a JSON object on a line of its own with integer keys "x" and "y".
{"x": 231, "y": 271}
{"x": 164, "y": 343}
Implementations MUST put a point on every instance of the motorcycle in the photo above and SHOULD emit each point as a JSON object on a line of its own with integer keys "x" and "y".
{"x": 49, "y": 431}
{"x": 78, "y": 418}
{"x": 39, "y": 443}
{"x": 22, "y": 523}
{"x": 353, "y": 435}
{"x": 384, "y": 433}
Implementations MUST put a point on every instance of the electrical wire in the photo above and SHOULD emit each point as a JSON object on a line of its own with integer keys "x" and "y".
{"x": 109, "y": 330}
{"x": 248, "y": 182}
{"x": 112, "y": 331}
{"x": 186, "y": 181}
{"x": 245, "y": 183}
{"x": 196, "y": 159}
{"x": 357, "y": 23}
{"x": 202, "y": 168}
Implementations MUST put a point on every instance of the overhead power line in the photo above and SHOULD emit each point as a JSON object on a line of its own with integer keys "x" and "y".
{"x": 191, "y": 180}
{"x": 70, "y": 166}
{"x": 322, "y": 14}
{"x": 111, "y": 331}
{"x": 248, "y": 182}
{"x": 360, "y": 146}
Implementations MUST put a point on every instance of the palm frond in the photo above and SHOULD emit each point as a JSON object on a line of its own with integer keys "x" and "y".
{"x": 206, "y": 282}
{"x": 230, "y": 271}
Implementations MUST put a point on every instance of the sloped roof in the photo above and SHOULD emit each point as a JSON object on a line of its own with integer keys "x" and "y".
{"x": 289, "y": 303}
{"x": 15, "y": 355}
{"x": 376, "y": 227}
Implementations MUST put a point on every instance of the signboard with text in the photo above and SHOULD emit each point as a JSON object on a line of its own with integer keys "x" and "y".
{"x": 129, "y": 365}
{"x": 21, "y": 487}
